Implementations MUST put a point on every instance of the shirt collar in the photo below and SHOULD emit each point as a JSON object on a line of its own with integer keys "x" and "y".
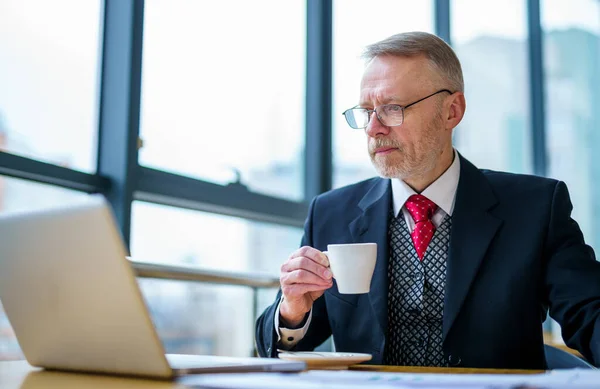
{"x": 442, "y": 191}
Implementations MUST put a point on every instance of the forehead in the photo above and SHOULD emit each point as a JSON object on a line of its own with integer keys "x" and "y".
{"x": 393, "y": 79}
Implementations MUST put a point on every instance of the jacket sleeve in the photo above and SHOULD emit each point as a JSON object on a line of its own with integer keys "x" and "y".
{"x": 319, "y": 330}
{"x": 572, "y": 279}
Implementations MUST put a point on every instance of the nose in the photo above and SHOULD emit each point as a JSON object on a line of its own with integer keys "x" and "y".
{"x": 375, "y": 127}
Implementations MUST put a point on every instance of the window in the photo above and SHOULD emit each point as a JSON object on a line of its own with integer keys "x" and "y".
{"x": 209, "y": 241}
{"x": 357, "y": 24}
{"x": 572, "y": 96}
{"x": 490, "y": 39}
{"x": 21, "y": 195}
{"x": 49, "y": 76}
{"x": 223, "y": 91}
{"x": 198, "y": 318}
{"x": 202, "y": 318}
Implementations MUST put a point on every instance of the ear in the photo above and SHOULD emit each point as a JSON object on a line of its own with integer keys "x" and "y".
{"x": 457, "y": 106}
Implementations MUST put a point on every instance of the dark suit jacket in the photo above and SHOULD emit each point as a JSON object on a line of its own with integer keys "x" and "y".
{"x": 515, "y": 253}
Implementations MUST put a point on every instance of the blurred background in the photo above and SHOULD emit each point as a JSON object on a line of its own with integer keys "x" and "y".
{"x": 209, "y": 125}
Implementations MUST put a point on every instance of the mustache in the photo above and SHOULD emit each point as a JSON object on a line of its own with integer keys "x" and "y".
{"x": 379, "y": 143}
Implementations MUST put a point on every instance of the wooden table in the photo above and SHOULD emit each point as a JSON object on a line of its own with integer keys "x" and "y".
{"x": 20, "y": 375}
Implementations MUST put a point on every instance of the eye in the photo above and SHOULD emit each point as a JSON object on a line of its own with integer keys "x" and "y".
{"x": 392, "y": 108}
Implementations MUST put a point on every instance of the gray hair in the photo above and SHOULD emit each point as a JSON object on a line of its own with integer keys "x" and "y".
{"x": 442, "y": 58}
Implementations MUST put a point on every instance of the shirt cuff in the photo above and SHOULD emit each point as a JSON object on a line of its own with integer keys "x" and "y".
{"x": 287, "y": 338}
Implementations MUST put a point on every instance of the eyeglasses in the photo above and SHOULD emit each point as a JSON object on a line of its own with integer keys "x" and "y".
{"x": 390, "y": 115}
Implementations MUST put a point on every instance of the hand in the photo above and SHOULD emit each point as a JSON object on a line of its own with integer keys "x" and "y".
{"x": 304, "y": 278}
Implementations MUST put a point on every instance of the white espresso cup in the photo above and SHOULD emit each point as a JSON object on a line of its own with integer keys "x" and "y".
{"x": 352, "y": 266}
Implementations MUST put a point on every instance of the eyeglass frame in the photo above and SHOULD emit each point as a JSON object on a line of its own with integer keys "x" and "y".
{"x": 370, "y": 111}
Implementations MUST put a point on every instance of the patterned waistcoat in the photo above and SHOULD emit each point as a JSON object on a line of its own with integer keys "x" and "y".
{"x": 416, "y": 297}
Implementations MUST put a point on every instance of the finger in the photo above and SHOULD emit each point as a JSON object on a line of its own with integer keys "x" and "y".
{"x": 312, "y": 253}
{"x": 296, "y": 290}
{"x": 302, "y": 277}
{"x": 304, "y": 263}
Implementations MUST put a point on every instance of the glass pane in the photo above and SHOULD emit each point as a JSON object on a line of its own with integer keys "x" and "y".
{"x": 194, "y": 318}
{"x": 265, "y": 298}
{"x": 169, "y": 235}
{"x": 223, "y": 91}
{"x": 357, "y": 24}
{"x": 495, "y": 132}
{"x": 20, "y": 195}
{"x": 49, "y": 57}
{"x": 572, "y": 82}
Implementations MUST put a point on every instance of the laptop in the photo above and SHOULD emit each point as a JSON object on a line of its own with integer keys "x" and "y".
{"x": 74, "y": 304}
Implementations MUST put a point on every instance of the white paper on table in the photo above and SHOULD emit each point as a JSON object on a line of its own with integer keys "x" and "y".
{"x": 572, "y": 379}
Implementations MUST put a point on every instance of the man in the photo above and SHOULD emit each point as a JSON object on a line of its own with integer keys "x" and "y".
{"x": 468, "y": 261}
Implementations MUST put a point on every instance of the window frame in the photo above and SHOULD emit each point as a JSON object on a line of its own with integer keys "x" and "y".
{"x": 122, "y": 179}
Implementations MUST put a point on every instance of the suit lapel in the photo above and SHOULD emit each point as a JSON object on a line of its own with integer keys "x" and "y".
{"x": 473, "y": 228}
{"x": 371, "y": 226}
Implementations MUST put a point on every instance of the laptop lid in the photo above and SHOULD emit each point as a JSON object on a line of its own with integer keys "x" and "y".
{"x": 73, "y": 301}
{"x": 71, "y": 296}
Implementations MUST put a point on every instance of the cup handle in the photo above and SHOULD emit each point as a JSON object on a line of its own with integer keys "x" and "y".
{"x": 330, "y": 269}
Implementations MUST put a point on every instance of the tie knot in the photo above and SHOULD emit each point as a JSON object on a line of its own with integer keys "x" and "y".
{"x": 420, "y": 208}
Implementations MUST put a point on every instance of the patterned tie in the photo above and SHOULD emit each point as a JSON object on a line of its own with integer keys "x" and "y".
{"x": 421, "y": 209}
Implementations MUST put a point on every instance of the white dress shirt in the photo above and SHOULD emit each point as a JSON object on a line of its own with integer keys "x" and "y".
{"x": 442, "y": 192}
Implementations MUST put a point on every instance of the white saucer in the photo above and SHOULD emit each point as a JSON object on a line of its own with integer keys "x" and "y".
{"x": 325, "y": 360}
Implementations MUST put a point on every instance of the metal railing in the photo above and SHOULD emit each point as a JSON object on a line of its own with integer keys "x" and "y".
{"x": 183, "y": 273}
{"x": 254, "y": 281}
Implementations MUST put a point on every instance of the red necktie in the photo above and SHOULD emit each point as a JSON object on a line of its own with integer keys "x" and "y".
{"x": 421, "y": 209}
